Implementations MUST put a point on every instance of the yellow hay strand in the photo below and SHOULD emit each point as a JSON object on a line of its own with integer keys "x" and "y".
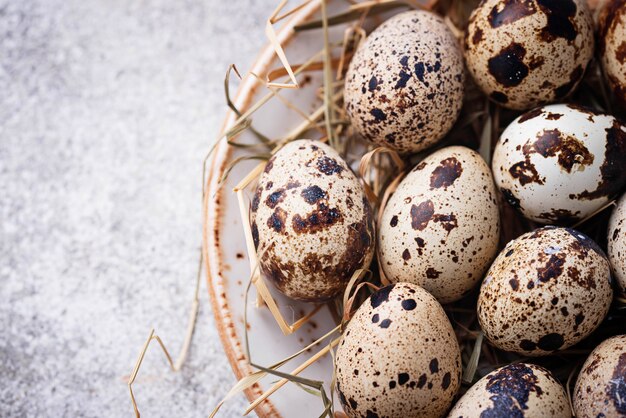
{"x": 182, "y": 356}
{"x": 472, "y": 364}
{"x": 278, "y": 49}
{"x": 329, "y": 104}
{"x": 295, "y": 372}
{"x": 365, "y": 163}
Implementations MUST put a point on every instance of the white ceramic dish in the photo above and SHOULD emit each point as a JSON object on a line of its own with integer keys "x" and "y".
{"x": 228, "y": 268}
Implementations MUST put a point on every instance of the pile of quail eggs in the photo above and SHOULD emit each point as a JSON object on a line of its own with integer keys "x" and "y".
{"x": 439, "y": 237}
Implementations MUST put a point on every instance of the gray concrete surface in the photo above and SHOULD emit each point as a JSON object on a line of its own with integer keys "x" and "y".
{"x": 106, "y": 110}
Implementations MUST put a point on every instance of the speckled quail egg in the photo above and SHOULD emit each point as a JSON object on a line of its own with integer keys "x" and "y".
{"x": 546, "y": 291}
{"x": 560, "y": 163}
{"x": 404, "y": 85}
{"x": 523, "y": 53}
{"x": 440, "y": 229}
{"x": 601, "y": 386}
{"x": 311, "y": 223}
{"x": 617, "y": 243}
{"x": 612, "y": 45}
{"x": 398, "y": 356}
{"x": 521, "y": 390}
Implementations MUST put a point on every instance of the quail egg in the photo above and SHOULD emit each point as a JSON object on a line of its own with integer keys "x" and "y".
{"x": 404, "y": 85}
{"x": 560, "y": 163}
{"x": 601, "y": 386}
{"x": 546, "y": 291}
{"x": 398, "y": 356}
{"x": 617, "y": 243}
{"x": 521, "y": 390}
{"x": 612, "y": 44}
{"x": 440, "y": 229}
{"x": 523, "y": 53}
{"x": 311, "y": 223}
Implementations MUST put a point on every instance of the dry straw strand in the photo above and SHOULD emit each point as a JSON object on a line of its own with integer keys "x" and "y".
{"x": 472, "y": 364}
{"x": 351, "y": 14}
{"x": 271, "y": 36}
{"x": 329, "y": 104}
{"x": 365, "y": 164}
{"x": 174, "y": 366}
{"x": 295, "y": 372}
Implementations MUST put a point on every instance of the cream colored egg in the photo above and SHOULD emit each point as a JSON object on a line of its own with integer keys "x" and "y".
{"x": 612, "y": 45}
{"x": 517, "y": 390}
{"x": 530, "y": 52}
{"x": 616, "y": 237}
{"x": 601, "y": 386}
{"x": 560, "y": 163}
{"x": 440, "y": 229}
{"x": 546, "y": 291}
{"x": 398, "y": 356}
{"x": 311, "y": 223}
{"x": 404, "y": 86}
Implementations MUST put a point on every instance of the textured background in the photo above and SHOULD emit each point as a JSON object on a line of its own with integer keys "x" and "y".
{"x": 106, "y": 110}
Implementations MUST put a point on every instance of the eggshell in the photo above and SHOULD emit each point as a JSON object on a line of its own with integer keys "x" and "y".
{"x": 398, "y": 356}
{"x": 601, "y": 386}
{"x": 523, "y": 53}
{"x": 612, "y": 45}
{"x": 440, "y": 229}
{"x": 560, "y": 163}
{"x": 521, "y": 390}
{"x": 404, "y": 85}
{"x": 311, "y": 223}
{"x": 617, "y": 243}
{"x": 546, "y": 291}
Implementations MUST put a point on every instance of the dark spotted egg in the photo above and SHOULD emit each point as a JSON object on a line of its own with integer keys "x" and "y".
{"x": 612, "y": 44}
{"x": 601, "y": 386}
{"x": 617, "y": 243}
{"x": 521, "y": 390}
{"x": 559, "y": 164}
{"x": 546, "y": 291}
{"x": 404, "y": 86}
{"x": 523, "y": 53}
{"x": 311, "y": 223}
{"x": 440, "y": 229}
{"x": 398, "y": 356}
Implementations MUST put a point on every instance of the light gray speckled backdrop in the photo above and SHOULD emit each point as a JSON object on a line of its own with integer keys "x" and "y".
{"x": 106, "y": 110}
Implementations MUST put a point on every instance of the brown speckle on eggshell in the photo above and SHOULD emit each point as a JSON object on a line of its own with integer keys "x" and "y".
{"x": 440, "y": 229}
{"x": 523, "y": 53}
{"x": 546, "y": 291}
{"x": 516, "y": 390}
{"x": 311, "y": 223}
{"x": 404, "y": 85}
{"x": 398, "y": 356}
{"x": 600, "y": 390}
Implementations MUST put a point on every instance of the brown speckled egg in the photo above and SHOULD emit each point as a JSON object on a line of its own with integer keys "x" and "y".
{"x": 311, "y": 223}
{"x": 398, "y": 356}
{"x": 546, "y": 291}
{"x": 617, "y": 243}
{"x": 440, "y": 229}
{"x": 523, "y": 53}
{"x": 520, "y": 390}
{"x": 560, "y": 163}
{"x": 612, "y": 44}
{"x": 601, "y": 386}
{"x": 404, "y": 85}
